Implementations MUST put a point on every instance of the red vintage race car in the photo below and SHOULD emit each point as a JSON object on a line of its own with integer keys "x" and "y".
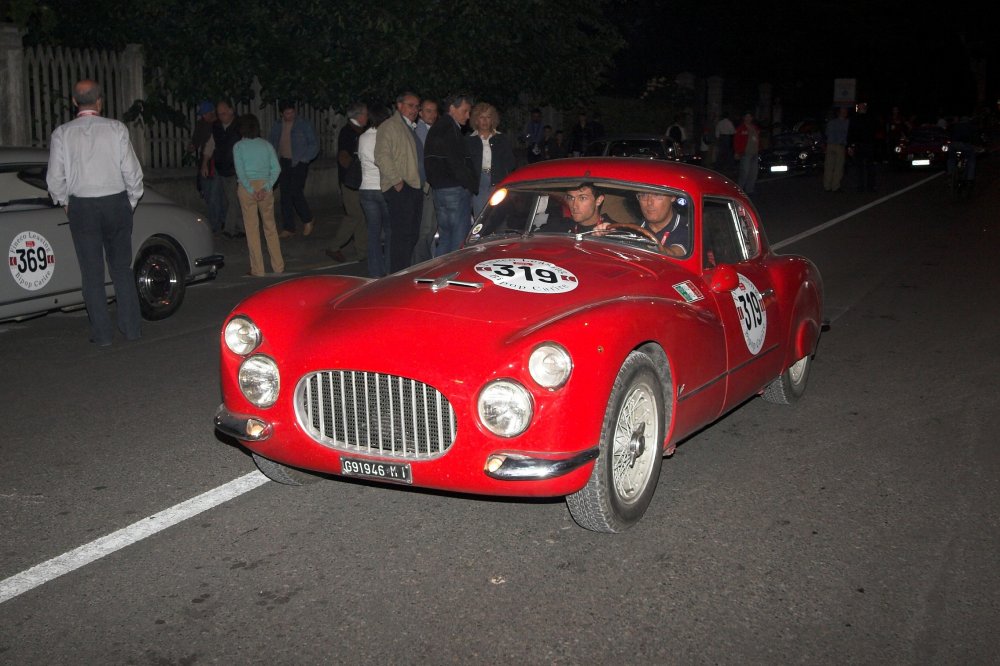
{"x": 544, "y": 358}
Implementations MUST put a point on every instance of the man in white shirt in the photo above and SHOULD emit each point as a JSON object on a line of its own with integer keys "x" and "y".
{"x": 724, "y": 131}
{"x": 95, "y": 175}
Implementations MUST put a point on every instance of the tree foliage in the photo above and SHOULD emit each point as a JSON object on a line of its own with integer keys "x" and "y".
{"x": 329, "y": 53}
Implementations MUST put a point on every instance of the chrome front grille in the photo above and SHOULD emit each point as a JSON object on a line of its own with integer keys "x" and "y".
{"x": 378, "y": 414}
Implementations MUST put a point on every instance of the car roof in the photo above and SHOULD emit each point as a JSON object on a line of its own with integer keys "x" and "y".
{"x": 687, "y": 177}
{"x": 23, "y": 155}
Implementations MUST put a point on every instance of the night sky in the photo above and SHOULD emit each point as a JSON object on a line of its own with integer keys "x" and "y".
{"x": 898, "y": 55}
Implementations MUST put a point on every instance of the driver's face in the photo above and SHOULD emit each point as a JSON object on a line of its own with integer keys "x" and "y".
{"x": 584, "y": 207}
{"x": 656, "y": 208}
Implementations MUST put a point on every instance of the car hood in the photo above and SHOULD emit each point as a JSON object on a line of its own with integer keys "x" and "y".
{"x": 549, "y": 276}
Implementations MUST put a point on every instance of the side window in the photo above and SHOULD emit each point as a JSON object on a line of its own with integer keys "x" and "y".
{"x": 721, "y": 241}
{"x": 748, "y": 232}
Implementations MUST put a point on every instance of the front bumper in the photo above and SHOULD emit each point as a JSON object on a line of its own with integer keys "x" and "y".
{"x": 522, "y": 467}
{"x": 505, "y": 466}
{"x": 241, "y": 426}
{"x": 216, "y": 260}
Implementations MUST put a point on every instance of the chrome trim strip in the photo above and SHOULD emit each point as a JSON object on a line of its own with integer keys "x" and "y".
{"x": 709, "y": 383}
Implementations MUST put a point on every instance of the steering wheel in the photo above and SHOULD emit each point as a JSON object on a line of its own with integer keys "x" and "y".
{"x": 636, "y": 229}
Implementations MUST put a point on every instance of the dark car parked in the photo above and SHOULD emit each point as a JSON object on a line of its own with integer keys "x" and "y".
{"x": 793, "y": 151}
{"x": 924, "y": 148}
{"x": 650, "y": 146}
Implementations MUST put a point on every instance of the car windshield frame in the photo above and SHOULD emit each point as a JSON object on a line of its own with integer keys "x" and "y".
{"x": 537, "y": 208}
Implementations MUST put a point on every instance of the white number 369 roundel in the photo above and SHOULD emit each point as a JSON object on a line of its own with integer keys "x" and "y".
{"x": 750, "y": 308}
{"x": 538, "y": 277}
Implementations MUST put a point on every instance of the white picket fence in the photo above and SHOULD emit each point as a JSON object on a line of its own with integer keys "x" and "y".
{"x": 47, "y": 85}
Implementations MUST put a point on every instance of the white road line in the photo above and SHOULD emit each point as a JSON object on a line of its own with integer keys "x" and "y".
{"x": 838, "y": 220}
{"x": 95, "y": 550}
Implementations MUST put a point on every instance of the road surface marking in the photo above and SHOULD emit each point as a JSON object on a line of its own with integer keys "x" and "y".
{"x": 95, "y": 550}
{"x": 837, "y": 220}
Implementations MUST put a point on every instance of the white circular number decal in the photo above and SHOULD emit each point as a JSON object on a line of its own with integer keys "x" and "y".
{"x": 750, "y": 308}
{"x": 537, "y": 277}
{"x": 31, "y": 260}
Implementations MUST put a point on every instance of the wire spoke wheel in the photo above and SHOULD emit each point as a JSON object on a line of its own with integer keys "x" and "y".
{"x": 627, "y": 469}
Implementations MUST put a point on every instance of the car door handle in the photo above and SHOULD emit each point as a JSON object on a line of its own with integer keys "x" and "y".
{"x": 767, "y": 297}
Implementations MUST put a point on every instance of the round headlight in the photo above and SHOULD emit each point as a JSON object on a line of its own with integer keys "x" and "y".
{"x": 259, "y": 380}
{"x": 505, "y": 408}
{"x": 550, "y": 365}
{"x": 242, "y": 336}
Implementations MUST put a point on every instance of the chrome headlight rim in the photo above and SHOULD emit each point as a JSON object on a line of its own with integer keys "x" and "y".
{"x": 241, "y": 335}
{"x": 258, "y": 363}
{"x": 550, "y": 365}
{"x": 515, "y": 411}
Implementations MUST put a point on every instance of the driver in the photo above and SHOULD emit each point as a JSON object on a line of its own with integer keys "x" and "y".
{"x": 584, "y": 203}
{"x": 670, "y": 227}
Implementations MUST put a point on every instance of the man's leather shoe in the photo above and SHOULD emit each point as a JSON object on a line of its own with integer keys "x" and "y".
{"x": 336, "y": 255}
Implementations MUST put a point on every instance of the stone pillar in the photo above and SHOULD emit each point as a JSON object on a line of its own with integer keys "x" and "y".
{"x": 686, "y": 81}
{"x": 763, "y": 116}
{"x": 132, "y": 89}
{"x": 764, "y": 92}
{"x": 13, "y": 99}
{"x": 713, "y": 109}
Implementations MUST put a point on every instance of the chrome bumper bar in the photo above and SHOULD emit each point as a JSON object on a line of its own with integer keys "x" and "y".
{"x": 217, "y": 260}
{"x": 520, "y": 467}
{"x": 241, "y": 426}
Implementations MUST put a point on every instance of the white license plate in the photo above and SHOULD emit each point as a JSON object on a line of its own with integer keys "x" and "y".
{"x": 382, "y": 471}
{"x": 921, "y": 163}
{"x": 779, "y": 167}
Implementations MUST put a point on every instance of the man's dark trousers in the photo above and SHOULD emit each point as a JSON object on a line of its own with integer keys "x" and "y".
{"x": 405, "y": 210}
{"x": 103, "y": 226}
{"x": 292, "y": 188}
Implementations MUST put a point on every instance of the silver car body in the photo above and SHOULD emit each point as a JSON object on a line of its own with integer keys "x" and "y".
{"x": 171, "y": 246}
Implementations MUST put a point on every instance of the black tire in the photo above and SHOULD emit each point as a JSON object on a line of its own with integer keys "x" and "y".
{"x": 160, "y": 279}
{"x": 626, "y": 472}
{"x": 790, "y": 384}
{"x": 288, "y": 476}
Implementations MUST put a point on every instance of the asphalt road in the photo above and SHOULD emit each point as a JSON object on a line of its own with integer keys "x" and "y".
{"x": 859, "y": 526}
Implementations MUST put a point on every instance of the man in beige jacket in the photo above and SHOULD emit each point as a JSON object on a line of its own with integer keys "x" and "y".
{"x": 397, "y": 152}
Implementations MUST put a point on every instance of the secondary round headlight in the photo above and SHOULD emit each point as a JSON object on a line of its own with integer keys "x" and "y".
{"x": 550, "y": 365}
{"x": 242, "y": 336}
{"x": 259, "y": 380}
{"x": 505, "y": 408}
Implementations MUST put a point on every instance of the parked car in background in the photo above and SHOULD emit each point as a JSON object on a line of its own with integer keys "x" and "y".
{"x": 793, "y": 152}
{"x": 924, "y": 147}
{"x": 546, "y": 361}
{"x": 649, "y": 146}
{"x": 171, "y": 246}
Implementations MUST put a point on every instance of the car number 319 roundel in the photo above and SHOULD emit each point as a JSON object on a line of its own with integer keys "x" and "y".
{"x": 750, "y": 308}
{"x": 532, "y": 275}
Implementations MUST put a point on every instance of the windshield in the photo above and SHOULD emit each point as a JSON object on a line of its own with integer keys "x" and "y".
{"x": 576, "y": 209}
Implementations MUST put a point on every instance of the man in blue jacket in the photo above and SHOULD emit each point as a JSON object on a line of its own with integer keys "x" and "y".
{"x": 294, "y": 139}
